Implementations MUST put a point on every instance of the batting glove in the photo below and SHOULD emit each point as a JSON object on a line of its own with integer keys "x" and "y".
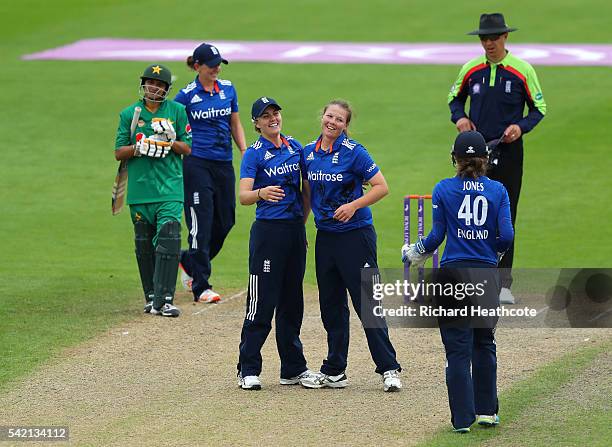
{"x": 153, "y": 148}
{"x": 164, "y": 127}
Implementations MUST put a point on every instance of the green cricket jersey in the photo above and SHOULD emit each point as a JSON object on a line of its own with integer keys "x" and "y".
{"x": 154, "y": 179}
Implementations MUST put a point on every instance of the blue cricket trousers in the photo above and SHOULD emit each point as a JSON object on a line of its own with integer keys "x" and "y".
{"x": 468, "y": 348}
{"x": 210, "y": 206}
{"x": 339, "y": 258}
{"x": 277, "y": 261}
{"x": 509, "y": 171}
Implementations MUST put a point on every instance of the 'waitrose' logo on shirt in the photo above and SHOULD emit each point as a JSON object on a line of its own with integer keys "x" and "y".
{"x": 210, "y": 113}
{"x": 286, "y": 168}
{"x": 321, "y": 176}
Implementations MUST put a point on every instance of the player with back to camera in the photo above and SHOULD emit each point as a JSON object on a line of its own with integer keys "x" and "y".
{"x": 473, "y": 213}
{"x": 210, "y": 202}
{"x": 155, "y": 185}
{"x": 336, "y": 167}
{"x": 270, "y": 177}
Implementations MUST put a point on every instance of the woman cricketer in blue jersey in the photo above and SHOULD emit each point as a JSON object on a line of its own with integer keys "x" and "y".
{"x": 473, "y": 213}
{"x": 210, "y": 203}
{"x": 270, "y": 177}
{"x": 336, "y": 168}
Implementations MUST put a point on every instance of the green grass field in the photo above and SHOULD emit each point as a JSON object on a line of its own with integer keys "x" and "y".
{"x": 67, "y": 270}
{"x": 538, "y": 402}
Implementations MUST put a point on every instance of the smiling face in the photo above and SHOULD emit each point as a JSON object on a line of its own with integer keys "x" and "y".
{"x": 270, "y": 122}
{"x": 494, "y": 46}
{"x": 207, "y": 74}
{"x": 335, "y": 120}
{"x": 154, "y": 90}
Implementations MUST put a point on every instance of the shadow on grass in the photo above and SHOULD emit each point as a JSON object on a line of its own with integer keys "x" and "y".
{"x": 529, "y": 394}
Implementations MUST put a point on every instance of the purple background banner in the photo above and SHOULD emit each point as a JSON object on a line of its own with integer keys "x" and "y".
{"x": 323, "y": 52}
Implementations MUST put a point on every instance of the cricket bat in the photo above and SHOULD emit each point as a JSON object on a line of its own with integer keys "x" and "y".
{"x": 120, "y": 185}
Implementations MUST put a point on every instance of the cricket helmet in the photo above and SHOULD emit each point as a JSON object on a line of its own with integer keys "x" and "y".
{"x": 160, "y": 73}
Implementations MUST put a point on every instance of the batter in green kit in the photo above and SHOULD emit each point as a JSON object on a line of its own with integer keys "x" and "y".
{"x": 155, "y": 185}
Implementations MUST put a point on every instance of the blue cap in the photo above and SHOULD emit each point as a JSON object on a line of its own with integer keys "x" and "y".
{"x": 260, "y": 105}
{"x": 208, "y": 55}
{"x": 470, "y": 144}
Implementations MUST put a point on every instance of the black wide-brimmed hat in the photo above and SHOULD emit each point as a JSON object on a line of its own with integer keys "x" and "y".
{"x": 492, "y": 24}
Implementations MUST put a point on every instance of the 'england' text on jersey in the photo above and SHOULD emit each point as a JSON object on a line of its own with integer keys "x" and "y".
{"x": 285, "y": 168}
{"x": 472, "y": 234}
{"x": 323, "y": 176}
{"x": 210, "y": 113}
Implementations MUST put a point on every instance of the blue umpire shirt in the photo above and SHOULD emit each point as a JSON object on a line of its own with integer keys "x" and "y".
{"x": 270, "y": 165}
{"x": 336, "y": 177}
{"x": 474, "y": 214}
{"x": 210, "y": 116}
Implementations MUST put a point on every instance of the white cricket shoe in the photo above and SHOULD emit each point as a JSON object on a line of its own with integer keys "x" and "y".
{"x": 167, "y": 310}
{"x": 506, "y": 297}
{"x": 297, "y": 379}
{"x": 249, "y": 382}
{"x": 320, "y": 380}
{"x": 391, "y": 381}
{"x": 209, "y": 296}
{"x": 186, "y": 280}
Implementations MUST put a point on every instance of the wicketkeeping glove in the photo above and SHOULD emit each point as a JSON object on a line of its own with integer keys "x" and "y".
{"x": 415, "y": 253}
{"x": 153, "y": 148}
{"x": 163, "y": 127}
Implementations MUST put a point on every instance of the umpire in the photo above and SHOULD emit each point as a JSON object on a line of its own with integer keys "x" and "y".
{"x": 499, "y": 86}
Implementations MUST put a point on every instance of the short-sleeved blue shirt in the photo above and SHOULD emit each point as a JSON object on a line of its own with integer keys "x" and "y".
{"x": 336, "y": 177}
{"x": 270, "y": 165}
{"x": 474, "y": 215}
{"x": 210, "y": 116}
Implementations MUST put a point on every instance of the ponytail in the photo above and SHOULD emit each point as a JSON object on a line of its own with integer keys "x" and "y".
{"x": 190, "y": 62}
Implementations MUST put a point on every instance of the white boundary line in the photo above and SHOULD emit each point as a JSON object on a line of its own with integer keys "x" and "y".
{"x": 212, "y": 306}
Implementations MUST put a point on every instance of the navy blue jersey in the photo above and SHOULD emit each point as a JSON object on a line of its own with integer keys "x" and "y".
{"x": 498, "y": 94}
{"x": 269, "y": 165}
{"x": 474, "y": 214}
{"x": 336, "y": 177}
{"x": 210, "y": 116}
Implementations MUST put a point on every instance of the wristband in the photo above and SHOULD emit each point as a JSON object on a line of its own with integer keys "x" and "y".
{"x": 258, "y": 191}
